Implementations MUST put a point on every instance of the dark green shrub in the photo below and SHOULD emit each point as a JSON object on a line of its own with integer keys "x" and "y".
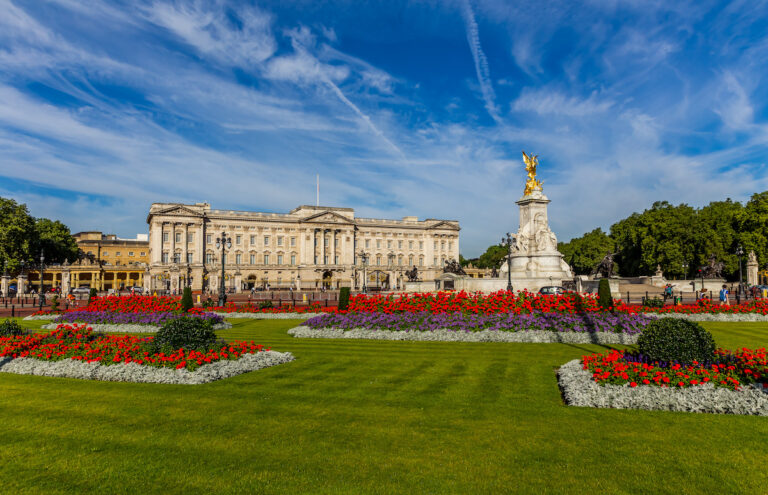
{"x": 654, "y": 302}
{"x": 189, "y": 333}
{"x": 604, "y": 298}
{"x": 9, "y": 328}
{"x": 92, "y": 294}
{"x": 209, "y": 303}
{"x": 670, "y": 339}
{"x": 344, "y": 299}
{"x": 186, "y": 300}
{"x": 55, "y": 303}
{"x": 266, "y": 304}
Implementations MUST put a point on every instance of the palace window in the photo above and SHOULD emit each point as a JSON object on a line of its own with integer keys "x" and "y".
{"x": 435, "y": 245}
{"x": 266, "y": 259}
{"x": 177, "y": 257}
{"x": 253, "y": 240}
{"x": 130, "y": 253}
{"x": 117, "y": 253}
{"x": 378, "y": 260}
{"x": 209, "y": 238}
{"x": 421, "y": 244}
{"x": 315, "y": 259}
{"x": 410, "y": 244}
{"x": 266, "y": 240}
{"x": 225, "y": 259}
{"x": 238, "y": 239}
{"x": 165, "y": 257}
{"x": 238, "y": 259}
{"x": 325, "y": 260}
{"x": 279, "y": 259}
{"x": 389, "y": 244}
{"x": 142, "y": 253}
{"x": 106, "y": 253}
{"x": 378, "y": 243}
{"x": 421, "y": 261}
{"x": 450, "y": 244}
{"x": 293, "y": 241}
{"x": 325, "y": 239}
{"x": 335, "y": 260}
{"x": 410, "y": 260}
{"x": 279, "y": 241}
{"x": 178, "y": 236}
{"x": 293, "y": 259}
{"x": 435, "y": 261}
{"x": 442, "y": 245}
{"x": 399, "y": 244}
{"x": 191, "y": 237}
{"x": 253, "y": 259}
{"x": 165, "y": 236}
{"x": 189, "y": 257}
{"x": 209, "y": 258}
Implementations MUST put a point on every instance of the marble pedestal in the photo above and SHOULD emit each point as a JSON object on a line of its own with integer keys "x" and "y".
{"x": 535, "y": 259}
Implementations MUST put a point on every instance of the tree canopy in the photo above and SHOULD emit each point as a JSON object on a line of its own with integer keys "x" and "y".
{"x": 23, "y": 236}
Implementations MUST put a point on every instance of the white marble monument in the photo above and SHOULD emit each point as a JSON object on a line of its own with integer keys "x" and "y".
{"x": 535, "y": 258}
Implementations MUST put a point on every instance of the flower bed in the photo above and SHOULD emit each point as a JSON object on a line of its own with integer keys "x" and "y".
{"x": 443, "y": 335}
{"x": 729, "y": 369}
{"x": 580, "y": 389}
{"x": 74, "y": 351}
{"x": 157, "y": 318}
{"x": 459, "y": 322}
{"x": 735, "y": 382}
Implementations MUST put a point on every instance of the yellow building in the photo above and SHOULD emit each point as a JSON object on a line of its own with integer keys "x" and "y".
{"x": 107, "y": 262}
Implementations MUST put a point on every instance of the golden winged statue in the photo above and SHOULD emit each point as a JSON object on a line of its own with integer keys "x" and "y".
{"x": 531, "y": 162}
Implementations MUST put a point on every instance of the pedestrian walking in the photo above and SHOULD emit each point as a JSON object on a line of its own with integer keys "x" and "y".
{"x": 724, "y": 295}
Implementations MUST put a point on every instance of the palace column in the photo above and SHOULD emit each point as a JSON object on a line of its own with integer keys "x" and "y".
{"x": 172, "y": 254}
{"x": 322, "y": 247}
{"x": 185, "y": 248}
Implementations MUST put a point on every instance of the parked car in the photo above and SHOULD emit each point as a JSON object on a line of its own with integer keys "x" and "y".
{"x": 551, "y": 290}
{"x": 81, "y": 290}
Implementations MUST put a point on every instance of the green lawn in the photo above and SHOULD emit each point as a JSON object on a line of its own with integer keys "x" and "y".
{"x": 371, "y": 417}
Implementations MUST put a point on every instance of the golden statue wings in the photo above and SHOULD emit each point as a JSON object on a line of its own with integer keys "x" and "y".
{"x": 531, "y": 162}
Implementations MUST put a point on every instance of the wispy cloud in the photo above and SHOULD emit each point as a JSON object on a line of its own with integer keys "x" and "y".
{"x": 481, "y": 61}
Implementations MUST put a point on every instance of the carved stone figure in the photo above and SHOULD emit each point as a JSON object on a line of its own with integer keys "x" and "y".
{"x": 659, "y": 272}
{"x": 453, "y": 266}
{"x": 605, "y": 267}
{"x": 522, "y": 242}
{"x": 752, "y": 258}
{"x": 413, "y": 274}
{"x": 494, "y": 273}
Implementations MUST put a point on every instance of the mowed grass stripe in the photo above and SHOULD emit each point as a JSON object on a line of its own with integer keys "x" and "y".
{"x": 381, "y": 417}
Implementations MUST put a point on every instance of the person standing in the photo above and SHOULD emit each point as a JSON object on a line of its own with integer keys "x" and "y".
{"x": 724, "y": 295}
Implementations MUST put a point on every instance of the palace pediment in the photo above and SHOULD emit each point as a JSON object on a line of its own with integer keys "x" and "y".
{"x": 327, "y": 217}
{"x": 444, "y": 225}
{"x": 175, "y": 211}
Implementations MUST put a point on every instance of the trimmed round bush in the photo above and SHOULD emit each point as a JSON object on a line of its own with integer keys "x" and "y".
{"x": 189, "y": 333}
{"x": 604, "y": 298}
{"x": 670, "y": 339}
{"x": 10, "y": 328}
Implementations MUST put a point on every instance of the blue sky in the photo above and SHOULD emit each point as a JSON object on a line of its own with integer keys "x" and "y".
{"x": 403, "y": 108}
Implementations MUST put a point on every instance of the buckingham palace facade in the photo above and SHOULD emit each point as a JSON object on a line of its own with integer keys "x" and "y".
{"x": 310, "y": 247}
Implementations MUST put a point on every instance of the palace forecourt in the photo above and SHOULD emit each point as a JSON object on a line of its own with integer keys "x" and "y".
{"x": 307, "y": 248}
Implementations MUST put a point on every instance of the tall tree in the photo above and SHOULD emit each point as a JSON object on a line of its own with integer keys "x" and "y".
{"x": 585, "y": 252}
{"x": 56, "y": 241}
{"x": 17, "y": 233}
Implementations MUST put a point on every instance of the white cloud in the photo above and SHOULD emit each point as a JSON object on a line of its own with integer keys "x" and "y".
{"x": 734, "y": 107}
{"x": 552, "y": 102}
{"x": 208, "y": 28}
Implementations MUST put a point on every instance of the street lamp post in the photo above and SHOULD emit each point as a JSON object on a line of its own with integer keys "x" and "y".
{"x": 391, "y": 258}
{"x": 685, "y": 269}
{"x": 18, "y": 281}
{"x": 740, "y": 253}
{"x": 364, "y": 258}
{"x": 42, "y": 273}
{"x": 224, "y": 242}
{"x": 510, "y": 242}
